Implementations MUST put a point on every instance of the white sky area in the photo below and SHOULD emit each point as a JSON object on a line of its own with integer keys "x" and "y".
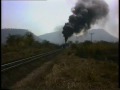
{"x": 43, "y": 16}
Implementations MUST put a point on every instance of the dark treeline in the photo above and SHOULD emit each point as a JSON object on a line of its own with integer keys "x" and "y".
{"x": 18, "y": 42}
{"x": 101, "y": 50}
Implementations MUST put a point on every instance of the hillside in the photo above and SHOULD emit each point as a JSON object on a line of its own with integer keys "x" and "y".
{"x": 54, "y": 37}
{"x": 6, "y": 32}
{"x": 99, "y": 34}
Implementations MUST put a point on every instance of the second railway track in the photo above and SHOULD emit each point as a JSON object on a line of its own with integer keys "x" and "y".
{"x": 17, "y": 63}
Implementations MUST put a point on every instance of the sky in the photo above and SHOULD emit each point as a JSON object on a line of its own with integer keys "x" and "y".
{"x": 43, "y": 16}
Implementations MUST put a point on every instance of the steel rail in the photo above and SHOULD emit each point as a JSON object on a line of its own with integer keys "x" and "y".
{"x": 26, "y": 60}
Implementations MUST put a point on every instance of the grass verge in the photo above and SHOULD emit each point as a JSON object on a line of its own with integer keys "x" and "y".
{"x": 70, "y": 72}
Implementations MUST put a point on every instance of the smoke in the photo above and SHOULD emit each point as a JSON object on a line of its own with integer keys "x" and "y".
{"x": 85, "y": 14}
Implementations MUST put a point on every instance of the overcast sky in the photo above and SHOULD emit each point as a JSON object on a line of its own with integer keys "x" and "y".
{"x": 43, "y": 16}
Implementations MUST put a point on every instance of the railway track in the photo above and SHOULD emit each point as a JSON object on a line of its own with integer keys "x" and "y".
{"x": 17, "y": 63}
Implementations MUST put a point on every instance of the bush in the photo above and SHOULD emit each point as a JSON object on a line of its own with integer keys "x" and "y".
{"x": 97, "y": 50}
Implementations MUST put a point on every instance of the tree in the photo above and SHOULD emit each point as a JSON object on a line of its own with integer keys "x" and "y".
{"x": 11, "y": 39}
{"x": 29, "y": 39}
{"x": 14, "y": 40}
{"x": 45, "y": 42}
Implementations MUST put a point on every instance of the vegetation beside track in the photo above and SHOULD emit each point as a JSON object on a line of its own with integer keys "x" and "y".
{"x": 70, "y": 72}
{"x": 18, "y": 47}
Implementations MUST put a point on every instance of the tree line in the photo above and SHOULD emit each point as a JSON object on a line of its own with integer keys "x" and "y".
{"x": 25, "y": 41}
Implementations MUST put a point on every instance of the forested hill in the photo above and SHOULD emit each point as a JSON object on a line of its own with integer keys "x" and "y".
{"x": 5, "y": 33}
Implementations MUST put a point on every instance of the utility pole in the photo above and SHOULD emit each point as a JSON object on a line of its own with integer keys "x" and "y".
{"x": 91, "y": 36}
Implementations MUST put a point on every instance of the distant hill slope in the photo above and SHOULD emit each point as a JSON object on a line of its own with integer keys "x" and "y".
{"x": 5, "y": 33}
{"x": 99, "y": 34}
{"x": 54, "y": 37}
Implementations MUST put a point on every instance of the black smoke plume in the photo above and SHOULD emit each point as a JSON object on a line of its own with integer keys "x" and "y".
{"x": 85, "y": 14}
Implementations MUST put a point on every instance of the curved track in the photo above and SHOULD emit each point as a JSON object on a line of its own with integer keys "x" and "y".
{"x": 17, "y": 63}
